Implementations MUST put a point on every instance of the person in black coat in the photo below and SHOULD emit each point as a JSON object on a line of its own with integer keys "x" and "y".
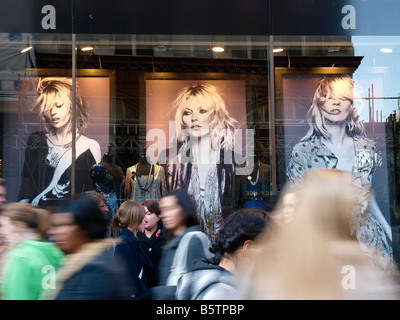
{"x": 129, "y": 220}
{"x": 153, "y": 237}
{"x": 91, "y": 271}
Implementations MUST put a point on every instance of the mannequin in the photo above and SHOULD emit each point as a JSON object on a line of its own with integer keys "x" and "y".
{"x": 145, "y": 181}
{"x": 253, "y": 190}
{"x": 108, "y": 179}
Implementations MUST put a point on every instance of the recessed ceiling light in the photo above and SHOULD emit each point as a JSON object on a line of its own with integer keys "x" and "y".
{"x": 277, "y": 50}
{"x": 218, "y": 49}
{"x": 386, "y": 50}
{"x": 88, "y": 48}
{"x": 26, "y": 49}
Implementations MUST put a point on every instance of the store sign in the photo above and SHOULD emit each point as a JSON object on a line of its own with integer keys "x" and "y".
{"x": 227, "y": 17}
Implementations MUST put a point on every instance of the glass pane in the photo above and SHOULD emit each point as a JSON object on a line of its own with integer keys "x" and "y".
{"x": 26, "y": 163}
{"x": 337, "y": 107}
{"x": 135, "y": 116}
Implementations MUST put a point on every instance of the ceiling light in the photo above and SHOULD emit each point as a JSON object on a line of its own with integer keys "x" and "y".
{"x": 386, "y": 50}
{"x": 26, "y": 49}
{"x": 87, "y": 48}
{"x": 277, "y": 50}
{"x": 218, "y": 49}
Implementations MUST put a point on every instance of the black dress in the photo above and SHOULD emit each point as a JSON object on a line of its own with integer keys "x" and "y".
{"x": 37, "y": 173}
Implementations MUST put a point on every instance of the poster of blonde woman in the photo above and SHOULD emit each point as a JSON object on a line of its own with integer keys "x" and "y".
{"x": 337, "y": 139}
{"x": 200, "y": 129}
{"x": 47, "y": 162}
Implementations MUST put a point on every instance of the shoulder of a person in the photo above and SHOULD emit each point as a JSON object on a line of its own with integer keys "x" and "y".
{"x": 89, "y": 141}
{"x": 307, "y": 143}
{"x": 128, "y": 236}
{"x": 194, "y": 234}
{"x": 37, "y": 135}
{"x": 366, "y": 141}
{"x": 103, "y": 260}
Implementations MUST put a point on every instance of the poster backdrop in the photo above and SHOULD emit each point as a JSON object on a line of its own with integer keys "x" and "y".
{"x": 207, "y": 173}
{"x": 337, "y": 100}
{"x": 21, "y": 121}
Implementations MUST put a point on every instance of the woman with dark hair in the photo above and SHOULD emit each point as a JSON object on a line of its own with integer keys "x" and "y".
{"x": 215, "y": 279}
{"x": 92, "y": 270}
{"x": 185, "y": 242}
{"x": 153, "y": 236}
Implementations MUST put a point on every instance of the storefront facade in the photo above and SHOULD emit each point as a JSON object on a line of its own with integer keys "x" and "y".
{"x": 126, "y": 65}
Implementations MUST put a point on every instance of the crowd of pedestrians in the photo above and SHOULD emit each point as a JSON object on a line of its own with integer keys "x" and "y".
{"x": 155, "y": 250}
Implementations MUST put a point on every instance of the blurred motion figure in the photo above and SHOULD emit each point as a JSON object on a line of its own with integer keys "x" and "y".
{"x": 309, "y": 258}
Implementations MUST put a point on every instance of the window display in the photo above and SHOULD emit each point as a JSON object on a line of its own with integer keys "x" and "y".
{"x": 336, "y": 139}
{"x": 201, "y": 156}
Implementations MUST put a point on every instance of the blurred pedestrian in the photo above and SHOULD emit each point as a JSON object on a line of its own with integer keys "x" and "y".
{"x": 315, "y": 256}
{"x": 3, "y": 191}
{"x": 129, "y": 219}
{"x": 91, "y": 270}
{"x": 101, "y": 202}
{"x": 185, "y": 242}
{"x": 153, "y": 236}
{"x": 3, "y": 200}
{"x": 29, "y": 257}
{"x": 216, "y": 278}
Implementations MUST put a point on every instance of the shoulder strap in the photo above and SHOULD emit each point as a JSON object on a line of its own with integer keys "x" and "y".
{"x": 179, "y": 266}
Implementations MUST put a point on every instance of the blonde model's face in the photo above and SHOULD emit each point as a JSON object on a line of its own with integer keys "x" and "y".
{"x": 337, "y": 107}
{"x": 59, "y": 114}
{"x": 196, "y": 118}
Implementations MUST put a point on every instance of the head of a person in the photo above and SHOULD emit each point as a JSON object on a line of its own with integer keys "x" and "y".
{"x": 152, "y": 217}
{"x": 201, "y": 111}
{"x": 16, "y": 218}
{"x": 334, "y": 102}
{"x": 237, "y": 234}
{"x": 287, "y": 204}
{"x": 101, "y": 201}
{"x": 178, "y": 211}
{"x": 54, "y": 104}
{"x": 130, "y": 216}
{"x": 3, "y": 192}
{"x": 303, "y": 259}
{"x": 77, "y": 222}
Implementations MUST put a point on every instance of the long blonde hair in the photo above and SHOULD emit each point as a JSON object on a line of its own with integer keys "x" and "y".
{"x": 324, "y": 91}
{"x": 49, "y": 89}
{"x": 305, "y": 259}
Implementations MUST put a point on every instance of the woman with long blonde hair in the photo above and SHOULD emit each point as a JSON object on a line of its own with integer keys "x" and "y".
{"x": 336, "y": 139}
{"x": 203, "y": 163}
{"x": 47, "y": 169}
{"x": 315, "y": 256}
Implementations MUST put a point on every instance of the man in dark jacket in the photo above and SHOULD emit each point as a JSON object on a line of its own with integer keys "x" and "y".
{"x": 91, "y": 270}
